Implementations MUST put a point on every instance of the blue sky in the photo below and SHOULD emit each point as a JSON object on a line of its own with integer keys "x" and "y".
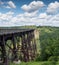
{"x": 29, "y": 12}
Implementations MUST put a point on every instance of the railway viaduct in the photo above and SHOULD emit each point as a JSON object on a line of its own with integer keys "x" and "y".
{"x": 22, "y": 46}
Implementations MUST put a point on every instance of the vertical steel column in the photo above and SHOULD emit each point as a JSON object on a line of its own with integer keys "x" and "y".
{"x": 4, "y": 55}
{"x": 15, "y": 57}
{"x": 34, "y": 44}
{"x": 25, "y": 47}
{"x": 29, "y": 38}
{"x": 31, "y": 45}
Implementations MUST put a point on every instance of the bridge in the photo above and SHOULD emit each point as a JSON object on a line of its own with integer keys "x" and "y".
{"x": 21, "y": 45}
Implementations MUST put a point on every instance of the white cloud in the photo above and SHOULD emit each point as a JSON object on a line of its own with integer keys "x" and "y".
{"x": 53, "y": 7}
{"x": 6, "y": 17}
{"x": 8, "y": 7}
{"x": 27, "y": 14}
{"x": 33, "y": 6}
{"x": 42, "y": 19}
{"x": 11, "y": 4}
{"x": 43, "y": 15}
{"x": 1, "y": 3}
{"x": 31, "y": 16}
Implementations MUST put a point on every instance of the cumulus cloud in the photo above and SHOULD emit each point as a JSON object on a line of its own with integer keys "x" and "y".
{"x": 53, "y": 7}
{"x": 27, "y": 14}
{"x": 31, "y": 16}
{"x": 33, "y": 6}
{"x": 9, "y": 4}
{"x": 43, "y": 15}
{"x": 42, "y": 19}
{"x": 1, "y": 3}
{"x": 6, "y": 17}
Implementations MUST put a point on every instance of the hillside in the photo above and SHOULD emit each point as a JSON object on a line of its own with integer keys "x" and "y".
{"x": 49, "y": 42}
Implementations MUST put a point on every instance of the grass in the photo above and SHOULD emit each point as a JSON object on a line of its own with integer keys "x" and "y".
{"x": 28, "y": 63}
{"x": 37, "y": 63}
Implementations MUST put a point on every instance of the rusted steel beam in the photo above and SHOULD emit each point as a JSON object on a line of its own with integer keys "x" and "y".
{"x": 34, "y": 44}
{"x": 15, "y": 57}
{"x": 27, "y": 46}
{"x": 23, "y": 47}
{"x": 4, "y": 54}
